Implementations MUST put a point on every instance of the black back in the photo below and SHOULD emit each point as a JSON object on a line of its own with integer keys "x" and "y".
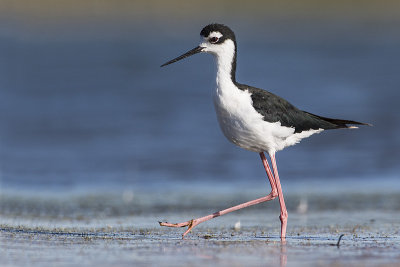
{"x": 275, "y": 108}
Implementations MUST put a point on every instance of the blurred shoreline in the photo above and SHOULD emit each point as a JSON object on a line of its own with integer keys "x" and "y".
{"x": 61, "y": 20}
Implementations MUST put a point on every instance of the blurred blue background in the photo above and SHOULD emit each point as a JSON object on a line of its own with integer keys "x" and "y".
{"x": 84, "y": 104}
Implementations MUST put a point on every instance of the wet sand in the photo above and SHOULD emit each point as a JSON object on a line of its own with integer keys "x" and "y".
{"x": 371, "y": 237}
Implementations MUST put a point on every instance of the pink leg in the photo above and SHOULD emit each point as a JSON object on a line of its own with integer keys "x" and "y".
{"x": 284, "y": 215}
{"x": 192, "y": 223}
{"x": 271, "y": 177}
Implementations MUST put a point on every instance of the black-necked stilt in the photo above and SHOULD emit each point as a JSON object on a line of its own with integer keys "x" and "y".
{"x": 252, "y": 118}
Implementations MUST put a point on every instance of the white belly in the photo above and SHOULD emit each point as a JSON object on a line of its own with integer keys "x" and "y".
{"x": 245, "y": 127}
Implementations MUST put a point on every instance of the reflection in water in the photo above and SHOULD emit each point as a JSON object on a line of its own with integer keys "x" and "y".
{"x": 283, "y": 254}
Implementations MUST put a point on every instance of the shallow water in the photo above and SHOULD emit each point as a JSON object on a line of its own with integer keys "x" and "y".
{"x": 312, "y": 241}
{"x": 121, "y": 228}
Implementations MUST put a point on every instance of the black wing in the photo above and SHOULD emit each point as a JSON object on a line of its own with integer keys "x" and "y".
{"x": 275, "y": 108}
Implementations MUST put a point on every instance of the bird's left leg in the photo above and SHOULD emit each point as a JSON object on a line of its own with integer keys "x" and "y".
{"x": 274, "y": 193}
{"x": 192, "y": 223}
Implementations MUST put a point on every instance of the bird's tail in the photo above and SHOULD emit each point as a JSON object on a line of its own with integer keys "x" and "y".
{"x": 340, "y": 123}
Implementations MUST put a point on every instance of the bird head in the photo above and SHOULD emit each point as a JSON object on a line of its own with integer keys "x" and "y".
{"x": 216, "y": 39}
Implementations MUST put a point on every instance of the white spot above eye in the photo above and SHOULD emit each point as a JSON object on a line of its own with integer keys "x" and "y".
{"x": 215, "y": 34}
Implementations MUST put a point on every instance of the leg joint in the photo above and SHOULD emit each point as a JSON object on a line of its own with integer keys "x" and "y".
{"x": 283, "y": 216}
{"x": 274, "y": 194}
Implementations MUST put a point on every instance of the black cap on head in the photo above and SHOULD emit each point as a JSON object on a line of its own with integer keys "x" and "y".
{"x": 226, "y": 32}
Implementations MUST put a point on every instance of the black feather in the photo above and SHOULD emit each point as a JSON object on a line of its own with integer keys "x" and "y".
{"x": 275, "y": 108}
{"x": 340, "y": 123}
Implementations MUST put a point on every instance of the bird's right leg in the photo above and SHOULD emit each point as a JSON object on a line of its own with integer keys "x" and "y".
{"x": 192, "y": 223}
{"x": 271, "y": 177}
{"x": 284, "y": 214}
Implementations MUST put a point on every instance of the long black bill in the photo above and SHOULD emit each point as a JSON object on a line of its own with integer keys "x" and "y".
{"x": 187, "y": 54}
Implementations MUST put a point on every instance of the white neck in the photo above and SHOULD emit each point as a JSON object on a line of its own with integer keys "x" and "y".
{"x": 224, "y": 56}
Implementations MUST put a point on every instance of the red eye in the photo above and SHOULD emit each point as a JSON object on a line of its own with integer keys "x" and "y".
{"x": 213, "y": 40}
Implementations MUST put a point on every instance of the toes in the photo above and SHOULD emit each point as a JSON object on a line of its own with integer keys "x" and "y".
{"x": 174, "y": 224}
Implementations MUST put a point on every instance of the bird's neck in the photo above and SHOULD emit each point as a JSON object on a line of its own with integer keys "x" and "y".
{"x": 226, "y": 64}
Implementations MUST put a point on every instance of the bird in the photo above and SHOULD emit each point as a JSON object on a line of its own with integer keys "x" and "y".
{"x": 253, "y": 119}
